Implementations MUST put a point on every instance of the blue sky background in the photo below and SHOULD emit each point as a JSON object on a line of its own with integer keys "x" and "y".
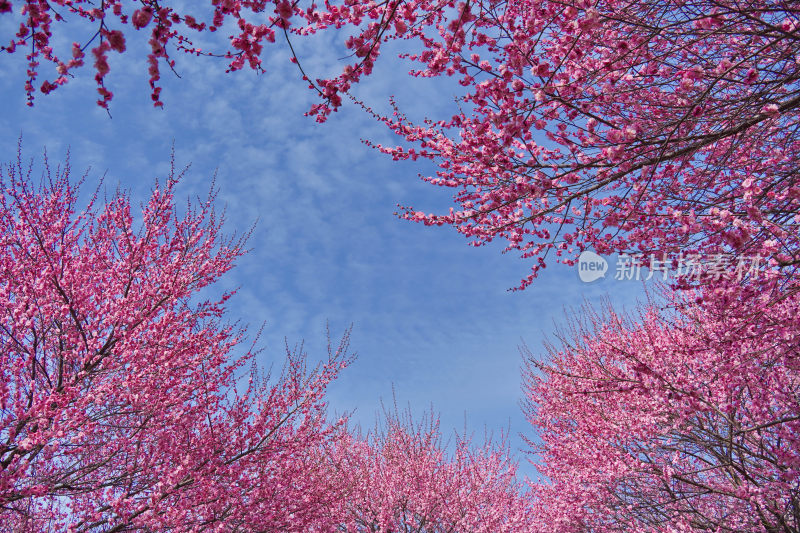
{"x": 432, "y": 316}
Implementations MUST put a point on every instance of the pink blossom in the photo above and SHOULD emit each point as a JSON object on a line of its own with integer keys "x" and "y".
{"x": 141, "y": 18}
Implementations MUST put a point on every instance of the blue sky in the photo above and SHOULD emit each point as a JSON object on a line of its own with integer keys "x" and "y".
{"x": 432, "y": 316}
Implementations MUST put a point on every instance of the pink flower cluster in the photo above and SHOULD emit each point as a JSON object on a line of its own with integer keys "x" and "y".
{"x": 125, "y": 403}
{"x": 687, "y": 419}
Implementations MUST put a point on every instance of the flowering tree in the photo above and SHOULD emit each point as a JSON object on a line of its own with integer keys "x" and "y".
{"x": 666, "y": 127}
{"x": 171, "y": 28}
{"x": 119, "y": 404}
{"x": 688, "y": 420}
{"x": 400, "y": 478}
{"x": 657, "y": 126}
{"x": 122, "y": 407}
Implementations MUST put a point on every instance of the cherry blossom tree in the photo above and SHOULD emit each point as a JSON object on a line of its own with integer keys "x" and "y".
{"x": 687, "y": 419}
{"x": 660, "y": 126}
{"x": 125, "y": 401}
{"x": 401, "y": 478}
{"x": 121, "y": 403}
